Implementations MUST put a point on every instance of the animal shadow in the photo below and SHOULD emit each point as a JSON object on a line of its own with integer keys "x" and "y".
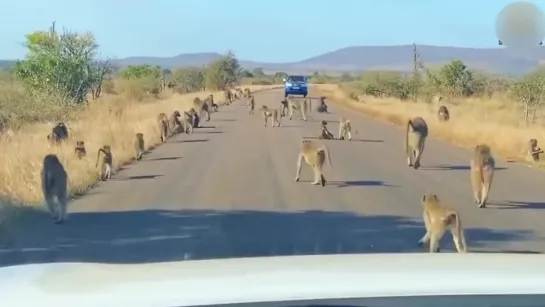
{"x": 142, "y": 177}
{"x": 191, "y": 141}
{"x": 363, "y": 183}
{"x": 206, "y": 127}
{"x": 163, "y": 159}
{"x": 444, "y": 167}
{"x": 367, "y": 141}
{"x": 216, "y": 132}
{"x": 519, "y": 205}
{"x": 225, "y": 120}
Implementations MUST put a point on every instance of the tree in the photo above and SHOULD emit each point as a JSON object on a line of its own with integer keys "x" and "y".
{"x": 189, "y": 79}
{"x": 141, "y": 71}
{"x": 246, "y": 74}
{"x": 258, "y": 72}
{"x": 456, "y": 78}
{"x": 223, "y": 72}
{"x": 60, "y": 64}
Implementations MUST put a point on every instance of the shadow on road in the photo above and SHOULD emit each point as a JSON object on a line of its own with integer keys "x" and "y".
{"x": 161, "y": 159}
{"x": 453, "y": 168}
{"x": 190, "y": 141}
{"x": 362, "y": 183}
{"x": 159, "y": 236}
{"x": 141, "y": 177}
{"x": 519, "y": 205}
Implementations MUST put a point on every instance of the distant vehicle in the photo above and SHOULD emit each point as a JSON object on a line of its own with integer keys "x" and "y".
{"x": 295, "y": 85}
{"x": 377, "y": 280}
{"x": 501, "y": 43}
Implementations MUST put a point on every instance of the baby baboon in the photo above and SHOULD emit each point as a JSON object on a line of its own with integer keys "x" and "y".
{"x": 345, "y": 129}
{"x": 415, "y": 139}
{"x": 138, "y": 146}
{"x": 534, "y": 150}
{"x": 443, "y": 113}
{"x": 273, "y": 114}
{"x": 201, "y": 108}
{"x": 174, "y": 124}
{"x": 322, "y": 108}
{"x": 195, "y": 121}
{"x": 105, "y": 160}
{"x": 210, "y": 101}
{"x": 284, "y": 107}
{"x": 437, "y": 219}
{"x": 297, "y": 104}
{"x": 251, "y": 105}
{"x": 59, "y": 133}
{"x": 55, "y": 187}
{"x": 315, "y": 157}
{"x": 162, "y": 123}
{"x": 482, "y": 173}
{"x": 325, "y": 132}
{"x": 79, "y": 150}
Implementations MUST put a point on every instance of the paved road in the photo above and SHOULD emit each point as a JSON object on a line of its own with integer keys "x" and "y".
{"x": 228, "y": 191}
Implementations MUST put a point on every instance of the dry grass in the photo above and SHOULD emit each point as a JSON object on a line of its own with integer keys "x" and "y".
{"x": 23, "y": 152}
{"x": 496, "y": 122}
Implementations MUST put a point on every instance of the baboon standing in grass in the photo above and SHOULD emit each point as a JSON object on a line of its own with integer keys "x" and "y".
{"x": 443, "y": 113}
{"x": 79, "y": 150}
{"x": 533, "y": 150}
{"x": 58, "y": 134}
{"x": 105, "y": 160}
{"x": 482, "y": 173}
{"x": 415, "y": 139}
{"x": 55, "y": 187}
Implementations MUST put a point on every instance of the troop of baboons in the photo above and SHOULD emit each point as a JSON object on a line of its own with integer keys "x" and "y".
{"x": 438, "y": 217}
{"x": 54, "y": 178}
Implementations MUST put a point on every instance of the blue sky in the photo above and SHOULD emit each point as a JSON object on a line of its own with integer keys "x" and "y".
{"x": 254, "y": 30}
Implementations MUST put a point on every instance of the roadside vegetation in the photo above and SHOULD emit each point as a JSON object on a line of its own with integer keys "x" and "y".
{"x": 503, "y": 112}
{"x": 63, "y": 79}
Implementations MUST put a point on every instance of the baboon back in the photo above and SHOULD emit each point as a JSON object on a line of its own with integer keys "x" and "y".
{"x": 417, "y": 131}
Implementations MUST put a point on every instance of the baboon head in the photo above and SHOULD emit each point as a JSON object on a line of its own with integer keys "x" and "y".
{"x": 324, "y": 123}
{"x": 80, "y": 144}
{"x": 196, "y": 100}
{"x": 430, "y": 197}
{"x": 533, "y": 142}
{"x": 177, "y": 113}
{"x": 140, "y": 135}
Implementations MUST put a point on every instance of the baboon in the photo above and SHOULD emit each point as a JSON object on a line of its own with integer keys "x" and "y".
{"x": 188, "y": 120}
{"x": 174, "y": 124}
{"x": 228, "y": 97}
{"x": 138, "y": 146}
{"x": 79, "y": 150}
{"x": 415, "y": 139}
{"x": 297, "y": 104}
{"x": 345, "y": 129}
{"x": 534, "y": 150}
{"x": 315, "y": 157}
{"x": 326, "y": 135}
{"x": 210, "y": 101}
{"x": 162, "y": 122}
{"x": 105, "y": 160}
{"x": 443, "y": 113}
{"x": 59, "y": 133}
{"x": 195, "y": 121}
{"x": 201, "y": 108}
{"x": 247, "y": 92}
{"x": 284, "y": 107}
{"x": 482, "y": 173}
{"x": 273, "y": 114}
{"x": 251, "y": 105}
{"x": 322, "y": 108}
{"x": 55, "y": 187}
{"x": 437, "y": 219}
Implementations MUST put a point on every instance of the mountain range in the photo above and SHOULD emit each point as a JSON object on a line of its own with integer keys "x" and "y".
{"x": 360, "y": 58}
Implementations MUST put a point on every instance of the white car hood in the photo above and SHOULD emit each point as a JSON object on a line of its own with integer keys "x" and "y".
{"x": 241, "y": 280}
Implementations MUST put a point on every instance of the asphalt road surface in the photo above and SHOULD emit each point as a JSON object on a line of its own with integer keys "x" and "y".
{"x": 228, "y": 190}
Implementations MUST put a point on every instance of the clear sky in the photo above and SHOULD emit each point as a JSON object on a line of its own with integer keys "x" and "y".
{"x": 271, "y": 31}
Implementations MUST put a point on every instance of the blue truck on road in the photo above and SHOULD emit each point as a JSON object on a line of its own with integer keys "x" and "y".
{"x": 295, "y": 85}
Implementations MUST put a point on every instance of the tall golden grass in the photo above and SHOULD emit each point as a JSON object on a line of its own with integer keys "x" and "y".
{"x": 24, "y": 149}
{"x": 496, "y": 121}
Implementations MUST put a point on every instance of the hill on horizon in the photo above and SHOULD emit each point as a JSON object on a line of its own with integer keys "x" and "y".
{"x": 360, "y": 58}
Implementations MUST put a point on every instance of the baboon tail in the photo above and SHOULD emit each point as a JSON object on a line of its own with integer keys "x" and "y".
{"x": 407, "y": 131}
{"x": 326, "y": 151}
{"x": 460, "y": 240}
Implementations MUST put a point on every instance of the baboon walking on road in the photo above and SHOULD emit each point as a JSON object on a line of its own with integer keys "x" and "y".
{"x": 439, "y": 218}
{"x": 415, "y": 140}
{"x": 162, "y": 123}
{"x": 54, "y": 187}
{"x": 315, "y": 157}
{"x": 482, "y": 173}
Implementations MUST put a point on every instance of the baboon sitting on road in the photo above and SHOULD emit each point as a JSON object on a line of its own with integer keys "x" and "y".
{"x": 325, "y": 134}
